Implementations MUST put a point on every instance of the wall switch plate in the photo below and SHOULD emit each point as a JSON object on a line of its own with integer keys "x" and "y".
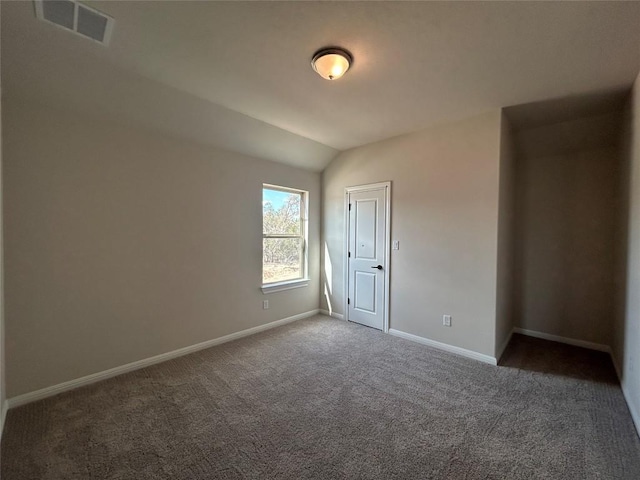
{"x": 396, "y": 245}
{"x": 265, "y": 304}
{"x": 446, "y": 320}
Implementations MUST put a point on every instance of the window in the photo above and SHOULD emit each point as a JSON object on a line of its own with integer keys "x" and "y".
{"x": 284, "y": 238}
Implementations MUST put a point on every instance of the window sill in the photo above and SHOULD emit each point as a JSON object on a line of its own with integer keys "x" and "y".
{"x": 282, "y": 286}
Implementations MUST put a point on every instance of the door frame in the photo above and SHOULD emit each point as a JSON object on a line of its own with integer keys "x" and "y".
{"x": 387, "y": 256}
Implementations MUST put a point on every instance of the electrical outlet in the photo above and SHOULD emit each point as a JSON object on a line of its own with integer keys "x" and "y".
{"x": 265, "y": 304}
{"x": 446, "y": 320}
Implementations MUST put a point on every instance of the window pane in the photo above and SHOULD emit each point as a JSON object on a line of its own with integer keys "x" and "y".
{"x": 281, "y": 259}
{"x": 280, "y": 212}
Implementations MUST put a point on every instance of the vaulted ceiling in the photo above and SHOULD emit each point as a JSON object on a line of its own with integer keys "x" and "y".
{"x": 237, "y": 74}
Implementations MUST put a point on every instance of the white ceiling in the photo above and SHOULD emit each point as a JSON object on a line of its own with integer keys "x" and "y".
{"x": 237, "y": 74}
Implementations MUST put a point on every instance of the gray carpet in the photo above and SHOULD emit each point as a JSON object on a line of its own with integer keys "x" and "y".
{"x": 324, "y": 399}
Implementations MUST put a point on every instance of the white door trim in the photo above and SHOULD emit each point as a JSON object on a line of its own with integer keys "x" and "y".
{"x": 387, "y": 256}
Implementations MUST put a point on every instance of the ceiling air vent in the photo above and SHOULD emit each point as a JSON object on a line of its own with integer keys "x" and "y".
{"x": 77, "y": 18}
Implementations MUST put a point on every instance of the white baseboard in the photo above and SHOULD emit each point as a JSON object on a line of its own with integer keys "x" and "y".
{"x": 129, "y": 367}
{"x": 503, "y": 347}
{"x": 4, "y": 406}
{"x": 633, "y": 409}
{"x": 569, "y": 341}
{"x": 339, "y": 316}
{"x": 444, "y": 346}
{"x": 616, "y": 366}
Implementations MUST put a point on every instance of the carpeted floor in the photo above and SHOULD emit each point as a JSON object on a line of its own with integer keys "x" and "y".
{"x": 325, "y": 399}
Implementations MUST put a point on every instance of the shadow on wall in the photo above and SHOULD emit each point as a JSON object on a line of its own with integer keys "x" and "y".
{"x": 558, "y": 110}
{"x": 570, "y": 189}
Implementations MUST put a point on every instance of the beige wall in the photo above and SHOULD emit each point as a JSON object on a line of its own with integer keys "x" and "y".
{"x": 626, "y": 345}
{"x": 444, "y": 213}
{"x": 505, "y": 305}
{"x": 122, "y": 244}
{"x": 566, "y": 223}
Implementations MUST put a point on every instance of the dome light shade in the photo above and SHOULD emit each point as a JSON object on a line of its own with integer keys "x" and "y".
{"x": 331, "y": 63}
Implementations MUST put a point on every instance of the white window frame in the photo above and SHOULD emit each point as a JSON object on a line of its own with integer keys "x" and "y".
{"x": 303, "y": 281}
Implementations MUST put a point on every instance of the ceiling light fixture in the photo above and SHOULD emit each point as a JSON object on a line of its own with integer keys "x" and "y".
{"x": 331, "y": 63}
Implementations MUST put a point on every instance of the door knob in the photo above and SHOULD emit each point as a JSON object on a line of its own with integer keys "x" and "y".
{"x": 379, "y": 267}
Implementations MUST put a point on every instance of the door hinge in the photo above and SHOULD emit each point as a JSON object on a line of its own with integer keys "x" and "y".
{"x": 349, "y": 254}
{"x": 349, "y": 207}
{"x": 348, "y": 301}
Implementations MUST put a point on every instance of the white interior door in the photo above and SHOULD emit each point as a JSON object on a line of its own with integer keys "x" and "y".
{"x": 367, "y": 256}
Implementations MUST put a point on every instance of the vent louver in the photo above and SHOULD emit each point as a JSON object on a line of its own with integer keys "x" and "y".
{"x": 77, "y": 18}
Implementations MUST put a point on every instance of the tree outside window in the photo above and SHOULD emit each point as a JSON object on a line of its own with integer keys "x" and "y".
{"x": 283, "y": 234}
